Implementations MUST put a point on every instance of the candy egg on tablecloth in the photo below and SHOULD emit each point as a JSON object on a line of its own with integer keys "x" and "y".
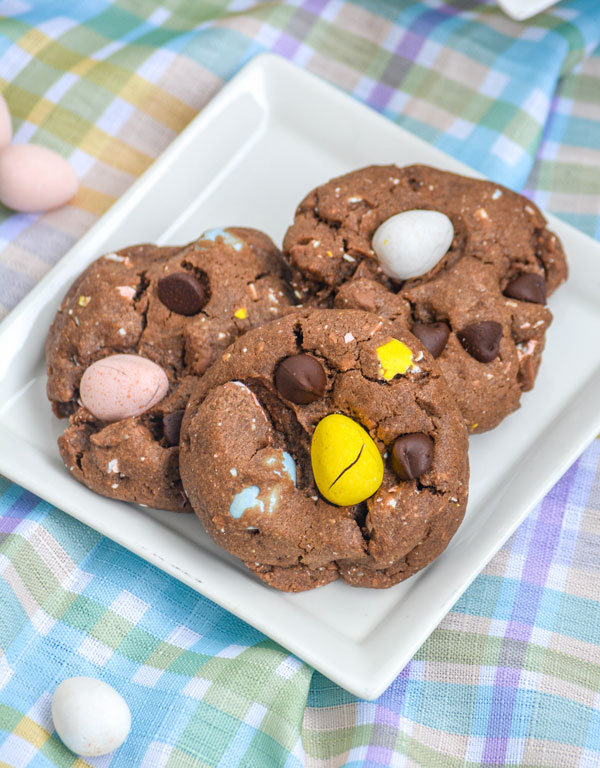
{"x": 34, "y": 178}
{"x": 90, "y": 716}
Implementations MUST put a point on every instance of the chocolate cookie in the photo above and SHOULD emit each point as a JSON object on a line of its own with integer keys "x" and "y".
{"x": 326, "y": 444}
{"x": 134, "y": 459}
{"x": 178, "y": 307}
{"x": 467, "y": 263}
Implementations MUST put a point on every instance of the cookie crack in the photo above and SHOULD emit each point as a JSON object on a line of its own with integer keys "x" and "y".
{"x": 299, "y": 334}
{"x": 292, "y": 433}
{"x": 430, "y": 489}
{"x": 141, "y": 287}
{"x": 138, "y": 299}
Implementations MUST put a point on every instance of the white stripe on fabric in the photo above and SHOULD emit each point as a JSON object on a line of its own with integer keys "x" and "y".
{"x": 95, "y": 651}
{"x": 196, "y": 687}
{"x": 129, "y": 606}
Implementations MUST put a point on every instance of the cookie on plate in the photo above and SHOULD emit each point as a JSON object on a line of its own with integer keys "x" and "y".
{"x": 467, "y": 263}
{"x": 176, "y": 308}
{"x": 326, "y": 444}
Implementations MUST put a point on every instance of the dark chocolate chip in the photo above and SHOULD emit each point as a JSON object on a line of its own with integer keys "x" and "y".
{"x": 301, "y": 379}
{"x": 482, "y": 340}
{"x": 433, "y": 335}
{"x": 527, "y": 287}
{"x": 172, "y": 426}
{"x": 182, "y": 293}
{"x": 412, "y": 455}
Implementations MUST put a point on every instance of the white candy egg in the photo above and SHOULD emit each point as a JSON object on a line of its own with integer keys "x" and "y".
{"x": 120, "y": 386}
{"x": 5, "y": 124}
{"x": 411, "y": 243}
{"x": 90, "y": 717}
{"x": 34, "y": 178}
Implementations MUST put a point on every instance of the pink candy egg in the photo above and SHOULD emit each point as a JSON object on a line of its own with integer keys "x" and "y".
{"x": 121, "y": 386}
{"x": 5, "y": 124}
{"x": 34, "y": 178}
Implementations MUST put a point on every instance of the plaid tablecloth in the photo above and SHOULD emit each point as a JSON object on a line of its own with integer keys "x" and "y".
{"x": 512, "y": 674}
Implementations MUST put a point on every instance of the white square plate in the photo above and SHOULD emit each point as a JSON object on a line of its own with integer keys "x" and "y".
{"x": 524, "y": 9}
{"x": 272, "y": 134}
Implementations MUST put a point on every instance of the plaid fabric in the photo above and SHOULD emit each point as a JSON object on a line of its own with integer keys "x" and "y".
{"x": 511, "y": 676}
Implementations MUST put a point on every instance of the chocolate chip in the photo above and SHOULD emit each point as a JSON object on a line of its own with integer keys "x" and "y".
{"x": 433, "y": 335}
{"x": 412, "y": 455}
{"x": 301, "y": 379}
{"x": 172, "y": 426}
{"x": 182, "y": 293}
{"x": 527, "y": 287}
{"x": 482, "y": 340}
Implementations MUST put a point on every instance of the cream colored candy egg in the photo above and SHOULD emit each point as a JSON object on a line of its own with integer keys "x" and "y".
{"x": 90, "y": 717}
{"x": 412, "y": 242}
{"x": 5, "y": 124}
{"x": 33, "y": 178}
{"x": 346, "y": 463}
{"x": 121, "y": 386}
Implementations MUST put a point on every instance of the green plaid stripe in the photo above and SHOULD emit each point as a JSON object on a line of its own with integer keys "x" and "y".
{"x": 565, "y": 177}
{"x": 178, "y": 679}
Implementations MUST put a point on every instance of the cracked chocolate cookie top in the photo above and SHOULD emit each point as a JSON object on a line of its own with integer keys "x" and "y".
{"x": 177, "y": 307}
{"x": 326, "y": 444}
{"x": 468, "y": 264}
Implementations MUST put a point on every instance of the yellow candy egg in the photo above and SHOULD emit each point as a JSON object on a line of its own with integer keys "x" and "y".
{"x": 395, "y": 358}
{"x": 346, "y": 463}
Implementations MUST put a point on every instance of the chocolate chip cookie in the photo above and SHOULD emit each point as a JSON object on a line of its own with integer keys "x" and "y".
{"x": 326, "y": 444}
{"x": 468, "y": 263}
{"x": 177, "y": 307}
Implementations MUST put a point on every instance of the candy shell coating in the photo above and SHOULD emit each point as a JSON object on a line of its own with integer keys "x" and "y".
{"x": 120, "y": 386}
{"x": 90, "y": 717}
{"x": 346, "y": 463}
{"x": 411, "y": 243}
{"x": 34, "y": 178}
{"x": 395, "y": 358}
{"x": 5, "y": 124}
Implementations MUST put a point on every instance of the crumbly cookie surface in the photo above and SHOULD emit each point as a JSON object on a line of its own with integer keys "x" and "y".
{"x": 134, "y": 459}
{"x": 249, "y": 463}
{"x": 498, "y": 236}
{"x": 117, "y": 306}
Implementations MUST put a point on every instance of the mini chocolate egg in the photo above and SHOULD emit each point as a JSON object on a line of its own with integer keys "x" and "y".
{"x": 90, "y": 717}
{"x": 411, "y": 243}
{"x": 5, "y": 124}
{"x": 346, "y": 463}
{"x": 120, "y": 386}
{"x": 34, "y": 178}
